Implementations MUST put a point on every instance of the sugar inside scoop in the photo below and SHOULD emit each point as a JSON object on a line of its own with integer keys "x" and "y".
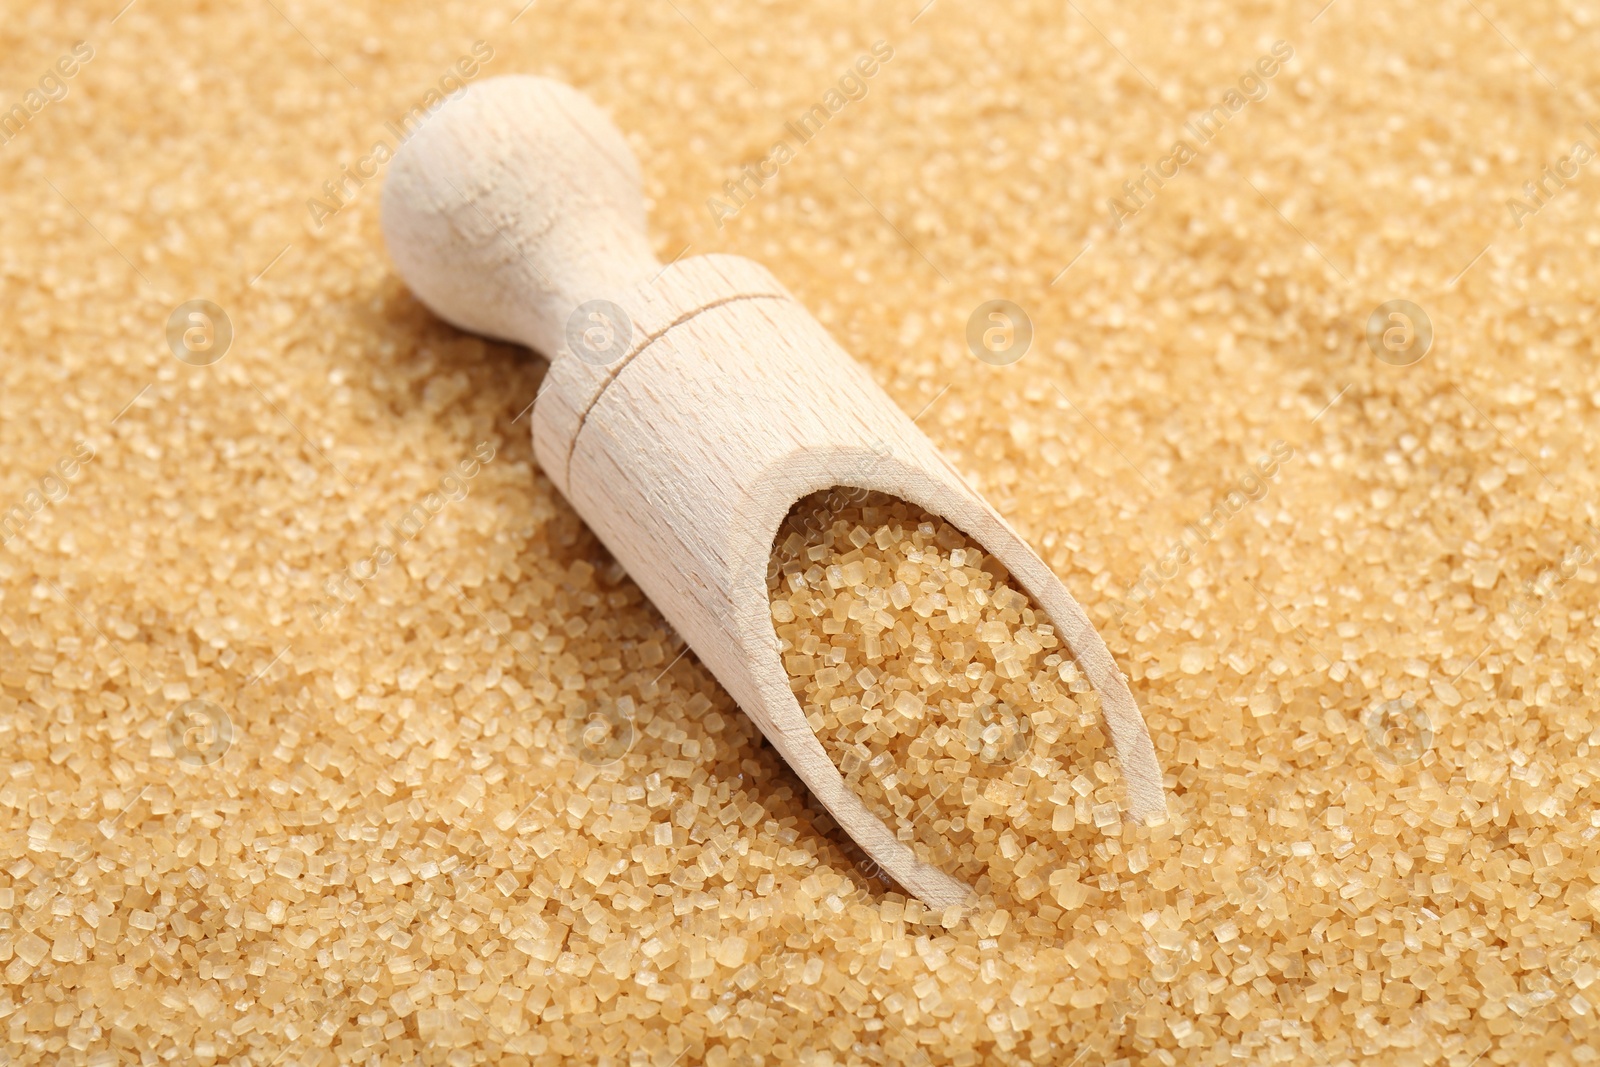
{"x": 941, "y": 692}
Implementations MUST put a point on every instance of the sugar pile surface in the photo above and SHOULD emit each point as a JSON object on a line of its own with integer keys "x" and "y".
{"x": 437, "y": 836}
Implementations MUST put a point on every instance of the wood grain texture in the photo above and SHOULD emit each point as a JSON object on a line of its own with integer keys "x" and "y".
{"x": 727, "y": 404}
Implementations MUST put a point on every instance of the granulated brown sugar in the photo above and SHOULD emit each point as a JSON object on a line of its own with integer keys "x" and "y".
{"x": 942, "y": 695}
{"x": 1371, "y": 679}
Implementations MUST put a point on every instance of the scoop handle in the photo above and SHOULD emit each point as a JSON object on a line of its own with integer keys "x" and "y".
{"x": 514, "y": 204}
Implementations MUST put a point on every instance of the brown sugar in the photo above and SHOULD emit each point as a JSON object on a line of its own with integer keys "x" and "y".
{"x": 475, "y": 804}
{"x": 941, "y": 692}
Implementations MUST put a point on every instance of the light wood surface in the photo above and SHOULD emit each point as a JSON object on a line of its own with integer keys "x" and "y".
{"x": 726, "y": 404}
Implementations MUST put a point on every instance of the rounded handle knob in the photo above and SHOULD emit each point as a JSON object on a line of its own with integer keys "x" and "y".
{"x": 515, "y": 203}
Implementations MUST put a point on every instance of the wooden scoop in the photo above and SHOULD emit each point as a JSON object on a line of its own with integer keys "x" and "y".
{"x": 688, "y": 407}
